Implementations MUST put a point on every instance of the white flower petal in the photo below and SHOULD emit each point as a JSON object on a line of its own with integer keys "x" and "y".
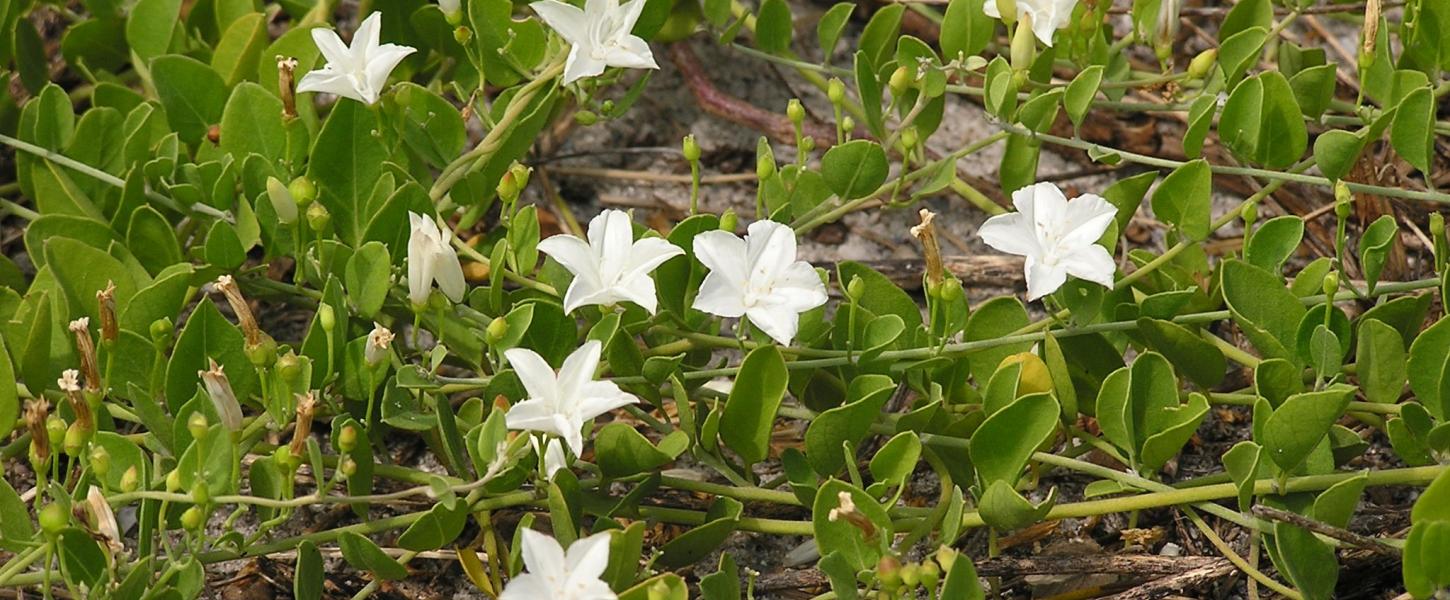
{"x": 778, "y": 322}
{"x": 526, "y": 586}
{"x": 1089, "y": 215}
{"x": 720, "y": 296}
{"x": 641, "y": 291}
{"x": 770, "y": 247}
{"x": 576, "y": 256}
{"x": 581, "y": 65}
{"x": 449, "y": 273}
{"x": 800, "y": 287}
{"x": 368, "y": 35}
{"x": 566, "y": 19}
{"x": 723, "y": 253}
{"x": 536, "y": 374}
{"x": 1043, "y": 279}
{"x": 632, "y": 52}
{"x": 578, "y": 369}
{"x": 648, "y": 254}
{"x": 1011, "y": 233}
{"x": 542, "y": 554}
{"x": 381, "y": 63}
{"x": 532, "y": 415}
{"x": 611, "y": 235}
{"x": 1092, "y": 263}
{"x": 588, "y": 557}
{"x": 331, "y": 47}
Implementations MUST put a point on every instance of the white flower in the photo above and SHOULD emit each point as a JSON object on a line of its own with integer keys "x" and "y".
{"x": 599, "y": 35}
{"x": 560, "y": 404}
{"x": 430, "y": 259}
{"x": 375, "y": 350}
{"x": 758, "y": 277}
{"x": 552, "y": 574}
{"x": 219, "y": 389}
{"x": 358, "y": 71}
{"x": 1059, "y": 238}
{"x": 1043, "y": 16}
{"x": 282, "y": 201}
{"x": 553, "y": 454}
{"x": 611, "y": 267}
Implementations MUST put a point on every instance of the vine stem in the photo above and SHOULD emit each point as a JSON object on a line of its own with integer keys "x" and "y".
{"x": 107, "y": 178}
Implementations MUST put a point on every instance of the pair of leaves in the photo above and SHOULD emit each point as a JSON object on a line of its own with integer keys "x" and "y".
{"x": 1140, "y": 413}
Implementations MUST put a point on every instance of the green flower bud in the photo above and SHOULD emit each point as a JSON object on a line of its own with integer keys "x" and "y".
{"x": 200, "y": 494}
{"x": 1249, "y": 213}
{"x": 888, "y": 572}
{"x": 855, "y": 288}
{"x": 55, "y": 429}
{"x": 508, "y": 189}
{"x": 497, "y": 329}
{"x": 946, "y": 557}
{"x": 1331, "y": 284}
{"x": 318, "y": 218}
{"x": 911, "y": 575}
{"x": 900, "y": 81}
{"x": 690, "y": 148}
{"x": 909, "y": 137}
{"x": 289, "y": 366}
{"x": 263, "y": 353}
{"x": 76, "y": 438}
{"x": 100, "y": 461}
{"x": 607, "y": 107}
{"x": 1201, "y": 65}
{"x": 729, "y": 220}
{"x": 326, "y": 317}
{"x": 53, "y": 518}
{"x": 197, "y": 424}
{"x": 347, "y": 466}
{"x": 930, "y": 574}
{"x": 848, "y": 124}
{"x": 160, "y": 331}
{"x": 1342, "y": 196}
{"x": 303, "y": 191}
{"x": 282, "y": 201}
{"x": 949, "y": 290}
{"x": 585, "y": 117}
{"x": 194, "y": 518}
{"x": 521, "y": 174}
{"x": 1008, "y": 10}
{"x": 173, "y": 481}
{"x": 795, "y": 112}
{"x": 285, "y": 460}
{"x": 1437, "y": 225}
{"x": 765, "y": 165}
{"x": 131, "y": 479}
{"x": 347, "y": 440}
{"x": 836, "y": 91}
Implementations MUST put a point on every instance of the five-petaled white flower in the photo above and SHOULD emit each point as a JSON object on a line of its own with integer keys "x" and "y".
{"x": 559, "y": 404}
{"x": 552, "y": 573}
{"x": 599, "y": 35}
{"x": 758, "y": 277}
{"x": 358, "y": 71}
{"x": 430, "y": 259}
{"x": 1058, "y": 237}
{"x": 611, "y": 267}
{"x": 1043, "y": 16}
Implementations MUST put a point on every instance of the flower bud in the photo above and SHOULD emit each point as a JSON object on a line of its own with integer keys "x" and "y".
{"x": 910, "y": 137}
{"x": 888, "y": 571}
{"x": 1008, "y": 10}
{"x": 1369, "y": 37}
{"x": 765, "y": 163}
{"x": 76, "y": 438}
{"x": 900, "y": 81}
{"x": 946, "y": 556}
{"x": 795, "y": 112}
{"x": 911, "y": 575}
{"x": 585, "y": 117}
{"x": 808, "y": 144}
{"x": 462, "y": 34}
{"x": 289, "y": 367}
{"x": 848, "y": 124}
{"x": 347, "y": 466}
{"x": 199, "y": 492}
{"x": 160, "y": 331}
{"x": 1024, "y": 45}
{"x": 1331, "y": 284}
{"x": 223, "y": 399}
{"x": 55, "y": 430}
{"x": 173, "y": 481}
{"x": 1249, "y": 213}
{"x": 100, "y": 460}
{"x": 326, "y": 317}
{"x": 131, "y": 479}
{"x": 53, "y": 518}
{"x": 1342, "y": 196}
{"x": 347, "y": 439}
{"x": 303, "y": 191}
{"x": 729, "y": 220}
{"x": 497, "y": 329}
{"x": 1034, "y": 378}
{"x": 930, "y": 573}
{"x": 1200, "y": 66}
{"x": 507, "y": 189}
{"x": 521, "y": 174}
{"x": 856, "y": 288}
{"x": 1165, "y": 31}
{"x": 193, "y": 519}
{"x": 197, "y": 425}
{"x": 106, "y": 306}
{"x": 836, "y": 91}
{"x": 379, "y": 342}
{"x": 1437, "y": 225}
{"x": 282, "y": 201}
{"x": 690, "y": 148}
{"x": 318, "y": 217}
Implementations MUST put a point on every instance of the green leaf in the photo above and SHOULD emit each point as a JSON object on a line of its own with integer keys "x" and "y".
{"x": 369, "y": 276}
{"x": 1412, "y": 132}
{"x": 1309, "y": 563}
{"x": 192, "y": 92}
{"x": 152, "y": 239}
{"x": 81, "y": 560}
{"x": 1242, "y": 463}
{"x": 1006, "y": 440}
{"x": 16, "y": 530}
{"x": 1080, "y": 93}
{"x": 1200, "y": 119}
{"x": 1274, "y": 242}
{"x": 439, "y": 527}
{"x": 1240, "y": 51}
{"x": 749, "y": 414}
{"x": 879, "y": 35}
{"x": 1301, "y": 423}
{"x": 965, "y": 29}
{"x": 1375, "y": 246}
{"x": 830, "y": 26}
{"x": 223, "y": 247}
{"x": 1429, "y": 367}
{"x": 1175, "y": 427}
{"x": 849, "y": 423}
{"x": 1184, "y": 199}
{"x": 252, "y": 124}
{"x": 240, "y": 49}
{"x": 207, "y": 334}
{"x": 1194, "y": 356}
{"x": 622, "y": 451}
{"x": 428, "y": 124}
{"x": 1003, "y": 509}
{"x": 1381, "y": 362}
{"x": 1262, "y": 122}
{"x": 1336, "y": 151}
{"x": 151, "y": 27}
{"x": 345, "y": 163}
{"x": 854, "y": 169}
{"x": 896, "y": 460}
{"x": 1126, "y": 195}
{"x": 1268, "y": 313}
{"x": 1314, "y": 89}
{"x": 773, "y": 27}
{"x": 721, "y": 520}
{"x": 362, "y": 553}
{"x": 840, "y": 535}
{"x": 993, "y": 319}
{"x": 9, "y": 400}
{"x": 308, "y": 577}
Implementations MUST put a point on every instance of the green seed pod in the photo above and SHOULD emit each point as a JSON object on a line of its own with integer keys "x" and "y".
{"x": 1202, "y": 64}
{"x": 729, "y": 220}
{"x": 289, "y": 366}
{"x": 497, "y": 329}
{"x": 53, "y": 518}
{"x": 318, "y": 218}
{"x": 194, "y": 518}
{"x": 900, "y": 81}
{"x": 930, "y": 574}
{"x": 911, "y": 575}
{"x": 76, "y": 438}
{"x": 586, "y": 117}
{"x": 1331, "y": 284}
{"x": 263, "y": 353}
{"x": 303, "y": 191}
{"x": 888, "y": 571}
{"x": 197, "y": 424}
{"x": 200, "y": 494}
{"x": 690, "y": 148}
{"x": 909, "y": 137}
{"x": 521, "y": 174}
{"x": 131, "y": 479}
{"x": 160, "y": 331}
{"x": 463, "y": 35}
{"x": 347, "y": 466}
{"x": 173, "y": 481}
{"x": 347, "y": 440}
{"x": 55, "y": 429}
